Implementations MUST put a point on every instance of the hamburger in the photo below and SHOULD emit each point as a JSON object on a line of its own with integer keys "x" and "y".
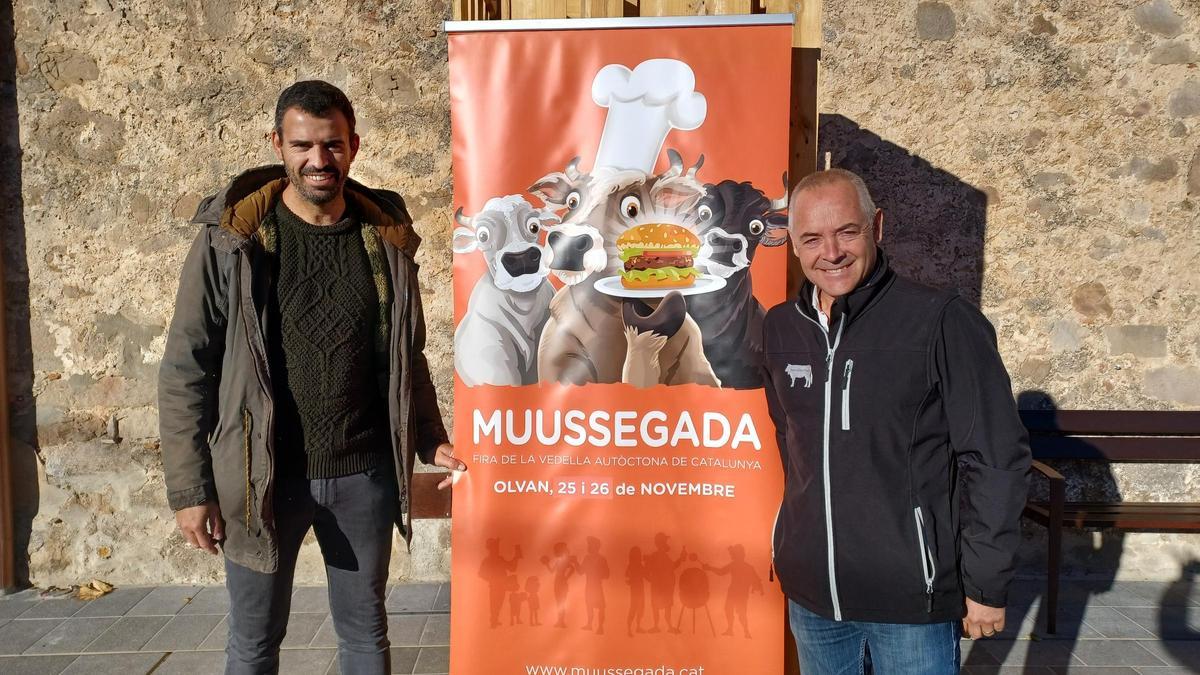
{"x": 658, "y": 255}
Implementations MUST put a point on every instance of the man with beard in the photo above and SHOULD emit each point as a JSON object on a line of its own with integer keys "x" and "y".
{"x": 294, "y": 393}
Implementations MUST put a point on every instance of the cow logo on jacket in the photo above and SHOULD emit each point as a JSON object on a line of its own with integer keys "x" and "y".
{"x": 561, "y": 301}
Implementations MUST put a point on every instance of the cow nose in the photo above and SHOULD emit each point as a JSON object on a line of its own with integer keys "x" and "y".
{"x": 582, "y": 244}
{"x": 554, "y": 238}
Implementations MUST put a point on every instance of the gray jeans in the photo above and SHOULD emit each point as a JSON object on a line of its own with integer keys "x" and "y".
{"x": 353, "y": 517}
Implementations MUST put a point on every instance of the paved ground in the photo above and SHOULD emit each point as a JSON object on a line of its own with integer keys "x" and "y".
{"x": 1125, "y": 628}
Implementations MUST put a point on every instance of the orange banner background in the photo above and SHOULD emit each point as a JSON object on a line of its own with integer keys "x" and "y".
{"x": 582, "y": 507}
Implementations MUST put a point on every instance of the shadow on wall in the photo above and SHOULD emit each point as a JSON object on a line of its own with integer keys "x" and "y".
{"x": 933, "y": 222}
{"x": 19, "y": 359}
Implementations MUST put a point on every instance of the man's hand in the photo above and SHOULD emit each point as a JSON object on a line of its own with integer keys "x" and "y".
{"x": 982, "y": 621}
{"x": 444, "y": 457}
{"x": 202, "y": 526}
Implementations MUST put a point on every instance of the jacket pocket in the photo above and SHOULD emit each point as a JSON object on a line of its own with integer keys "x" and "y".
{"x": 928, "y": 569}
{"x": 247, "y": 434}
{"x": 846, "y": 394}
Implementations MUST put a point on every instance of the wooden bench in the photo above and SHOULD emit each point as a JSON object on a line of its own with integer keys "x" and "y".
{"x": 1107, "y": 436}
{"x": 427, "y": 501}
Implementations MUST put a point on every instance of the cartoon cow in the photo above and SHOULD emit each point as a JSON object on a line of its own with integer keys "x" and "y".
{"x": 591, "y": 336}
{"x": 497, "y": 340}
{"x": 735, "y": 219}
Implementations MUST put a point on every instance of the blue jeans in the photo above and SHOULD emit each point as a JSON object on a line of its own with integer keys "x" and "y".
{"x": 353, "y": 517}
{"x": 828, "y": 647}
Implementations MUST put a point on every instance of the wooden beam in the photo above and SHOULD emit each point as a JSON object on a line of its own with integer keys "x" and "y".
{"x": 602, "y": 9}
{"x": 539, "y": 9}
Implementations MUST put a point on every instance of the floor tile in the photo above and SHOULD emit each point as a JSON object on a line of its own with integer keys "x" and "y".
{"x": 54, "y": 608}
{"x": 1175, "y": 653}
{"x": 1007, "y": 670}
{"x": 1111, "y": 623}
{"x": 305, "y": 661}
{"x": 310, "y": 599}
{"x": 116, "y": 603}
{"x": 210, "y": 600}
{"x": 1114, "y": 653}
{"x": 192, "y": 663}
{"x": 34, "y": 665}
{"x": 412, "y": 598}
{"x": 437, "y": 630}
{"x": 404, "y": 630}
{"x": 71, "y": 636}
{"x": 1170, "y": 623}
{"x": 442, "y": 603}
{"x": 114, "y": 664}
{"x": 301, "y": 629}
{"x": 1030, "y": 652}
{"x": 11, "y": 609}
{"x": 433, "y": 660}
{"x": 218, "y": 637}
{"x": 19, "y": 634}
{"x": 326, "y": 636}
{"x": 183, "y": 632}
{"x": 164, "y": 600}
{"x": 1096, "y": 670}
{"x": 128, "y": 634}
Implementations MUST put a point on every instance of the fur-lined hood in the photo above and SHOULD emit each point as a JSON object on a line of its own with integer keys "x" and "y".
{"x": 240, "y": 208}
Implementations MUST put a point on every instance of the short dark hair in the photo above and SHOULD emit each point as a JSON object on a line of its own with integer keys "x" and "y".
{"x": 314, "y": 97}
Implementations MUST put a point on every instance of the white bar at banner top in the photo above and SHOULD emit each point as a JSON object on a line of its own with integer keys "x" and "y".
{"x": 628, "y": 22}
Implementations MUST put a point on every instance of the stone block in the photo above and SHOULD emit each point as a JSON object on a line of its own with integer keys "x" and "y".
{"x": 1170, "y": 53}
{"x": 1146, "y": 341}
{"x": 1158, "y": 17}
{"x": 935, "y": 21}
{"x": 1184, "y": 102}
{"x": 1176, "y": 384}
{"x": 1091, "y": 300}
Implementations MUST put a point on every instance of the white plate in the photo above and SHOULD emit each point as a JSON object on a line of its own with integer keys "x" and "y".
{"x": 612, "y": 286}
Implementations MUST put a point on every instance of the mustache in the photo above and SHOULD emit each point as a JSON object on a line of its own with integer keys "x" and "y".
{"x": 320, "y": 172}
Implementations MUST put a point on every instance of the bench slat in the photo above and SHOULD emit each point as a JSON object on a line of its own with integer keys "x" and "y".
{"x": 1117, "y": 448}
{"x": 1124, "y": 515}
{"x": 1113, "y": 422}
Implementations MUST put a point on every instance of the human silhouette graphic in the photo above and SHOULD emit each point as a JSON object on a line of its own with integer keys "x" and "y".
{"x": 562, "y": 564}
{"x": 595, "y": 571}
{"x": 635, "y": 578}
{"x": 742, "y": 580}
{"x": 660, "y": 572}
{"x": 532, "y": 586}
{"x": 497, "y": 571}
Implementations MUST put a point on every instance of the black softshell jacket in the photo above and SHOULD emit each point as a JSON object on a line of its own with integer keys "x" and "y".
{"x": 906, "y": 462}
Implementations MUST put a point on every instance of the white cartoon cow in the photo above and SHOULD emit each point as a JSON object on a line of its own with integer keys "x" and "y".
{"x": 497, "y": 340}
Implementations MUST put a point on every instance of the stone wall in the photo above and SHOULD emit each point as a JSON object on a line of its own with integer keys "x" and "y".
{"x": 1042, "y": 157}
{"x": 1039, "y": 156}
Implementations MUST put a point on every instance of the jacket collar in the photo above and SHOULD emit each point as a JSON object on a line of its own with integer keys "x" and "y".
{"x": 856, "y": 302}
{"x": 239, "y": 209}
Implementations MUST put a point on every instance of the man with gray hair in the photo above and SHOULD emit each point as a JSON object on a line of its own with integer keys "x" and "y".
{"x": 904, "y": 456}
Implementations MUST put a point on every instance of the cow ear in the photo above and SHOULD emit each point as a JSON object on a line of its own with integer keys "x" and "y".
{"x": 776, "y": 233}
{"x": 464, "y": 240}
{"x": 552, "y": 188}
{"x": 681, "y": 194}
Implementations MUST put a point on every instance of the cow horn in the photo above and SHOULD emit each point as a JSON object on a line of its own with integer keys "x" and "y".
{"x": 782, "y": 202}
{"x": 573, "y": 169}
{"x": 676, "y": 167}
{"x": 696, "y": 167}
{"x": 461, "y": 219}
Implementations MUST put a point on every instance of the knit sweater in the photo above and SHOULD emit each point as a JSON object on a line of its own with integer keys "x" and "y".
{"x": 330, "y": 420}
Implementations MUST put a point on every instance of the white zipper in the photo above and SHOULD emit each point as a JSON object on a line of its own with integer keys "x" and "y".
{"x": 846, "y": 395}
{"x": 831, "y": 350}
{"x": 927, "y": 562}
{"x": 775, "y": 530}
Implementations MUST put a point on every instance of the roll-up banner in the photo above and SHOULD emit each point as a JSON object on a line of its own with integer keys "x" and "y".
{"x": 619, "y": 226}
